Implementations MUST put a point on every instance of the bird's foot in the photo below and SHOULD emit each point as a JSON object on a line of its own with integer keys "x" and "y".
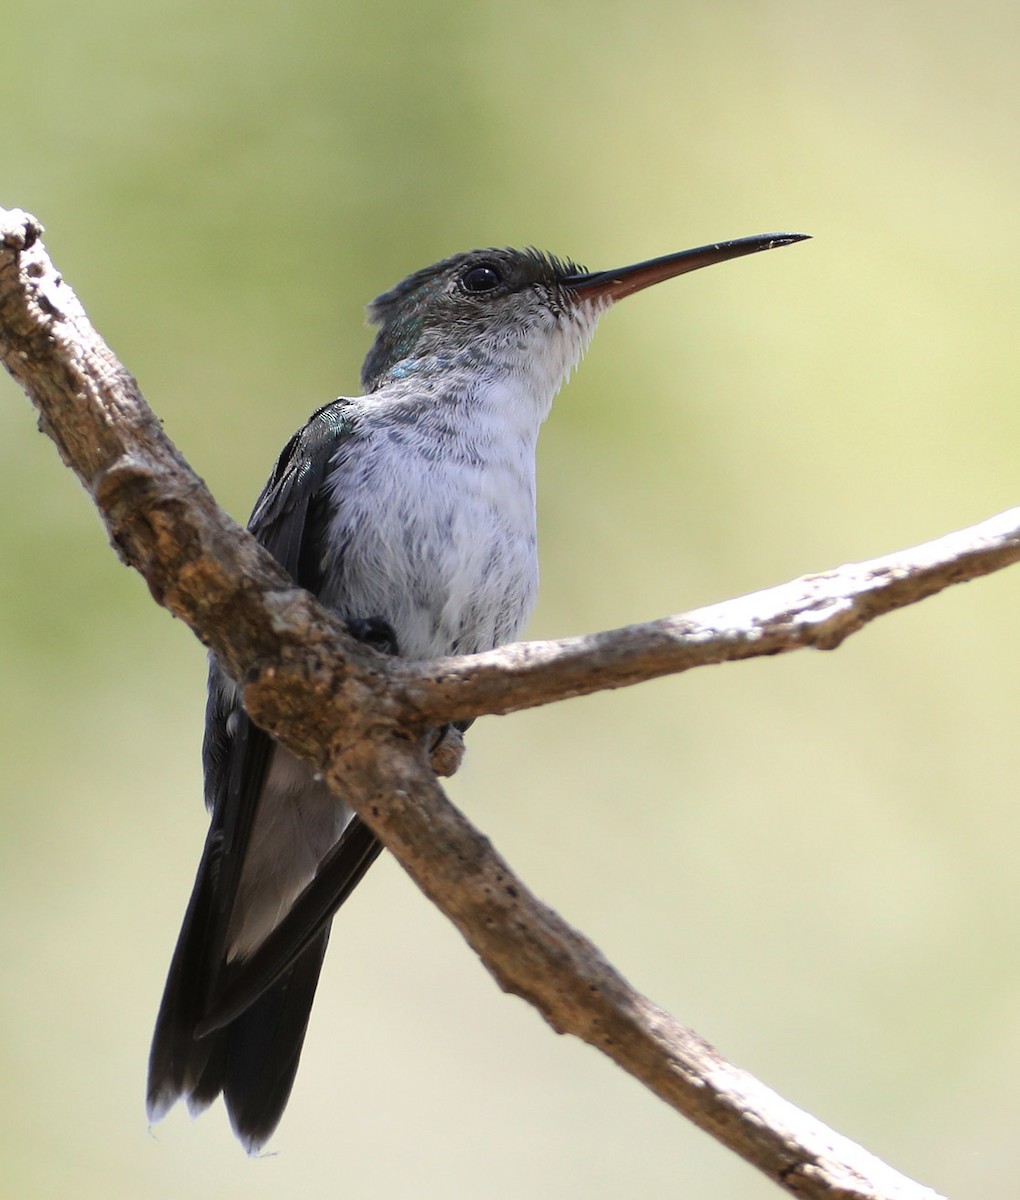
{"x": 445, "y": 750}
{"x": 445, "y": 745}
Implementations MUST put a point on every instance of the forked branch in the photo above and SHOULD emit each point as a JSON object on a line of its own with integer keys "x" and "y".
{"x": 360, "y": 717}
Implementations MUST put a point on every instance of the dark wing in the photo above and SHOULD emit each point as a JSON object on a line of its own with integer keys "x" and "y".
{"x": 253, "y": 1058}
{"x": 340, "y": 873}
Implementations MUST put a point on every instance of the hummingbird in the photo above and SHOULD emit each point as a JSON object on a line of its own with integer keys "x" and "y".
{"x": 409, "y": 511}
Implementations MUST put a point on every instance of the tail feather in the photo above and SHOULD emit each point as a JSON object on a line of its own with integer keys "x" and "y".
{"x": 252, "y": 1061}
{"x": 264, "y": 1049}
{"x": 177, "y": 1060}
{"x": 250, "y": 1053}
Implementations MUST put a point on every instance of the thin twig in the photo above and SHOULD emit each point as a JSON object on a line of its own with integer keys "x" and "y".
{"x": 818, "y": 611}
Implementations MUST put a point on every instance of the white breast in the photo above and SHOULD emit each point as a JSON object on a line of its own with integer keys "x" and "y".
{"x": 434, "y": 526}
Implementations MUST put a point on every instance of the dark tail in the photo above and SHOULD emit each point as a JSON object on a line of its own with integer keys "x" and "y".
{"x": 252, "y": 1056}
{"x": 253, "y": 1060}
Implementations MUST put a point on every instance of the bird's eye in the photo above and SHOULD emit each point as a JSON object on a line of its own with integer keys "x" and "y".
{"x": 482, "y": 278}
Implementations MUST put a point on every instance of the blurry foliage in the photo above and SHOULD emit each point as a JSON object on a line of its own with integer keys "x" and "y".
{"x": 810, "y": 859}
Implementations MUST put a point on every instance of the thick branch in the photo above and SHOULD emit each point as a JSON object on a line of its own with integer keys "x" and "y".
{"x": 532, "y": 952}
{"x": 341, "y": 707}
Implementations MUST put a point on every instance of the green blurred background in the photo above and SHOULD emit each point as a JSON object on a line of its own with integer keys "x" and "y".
{"x": 809, "y": 859}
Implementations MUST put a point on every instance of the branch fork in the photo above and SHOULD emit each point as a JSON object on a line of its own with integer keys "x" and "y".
{"x": 361, "y": 718}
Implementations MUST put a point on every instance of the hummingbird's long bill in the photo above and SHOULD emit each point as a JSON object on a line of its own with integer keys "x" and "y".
{"x": 625, "y": 281}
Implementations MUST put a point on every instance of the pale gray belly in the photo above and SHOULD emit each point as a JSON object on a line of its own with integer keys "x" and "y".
{"x": 453, "y": 573}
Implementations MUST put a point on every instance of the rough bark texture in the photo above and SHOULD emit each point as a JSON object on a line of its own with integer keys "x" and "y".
{"x": 361, "y": 718}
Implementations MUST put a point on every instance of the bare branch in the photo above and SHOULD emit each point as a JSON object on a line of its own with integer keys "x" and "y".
{"x": 333, "y": 702}
{"x": 817, "y": 610}
{"x": 532, "y": 952}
